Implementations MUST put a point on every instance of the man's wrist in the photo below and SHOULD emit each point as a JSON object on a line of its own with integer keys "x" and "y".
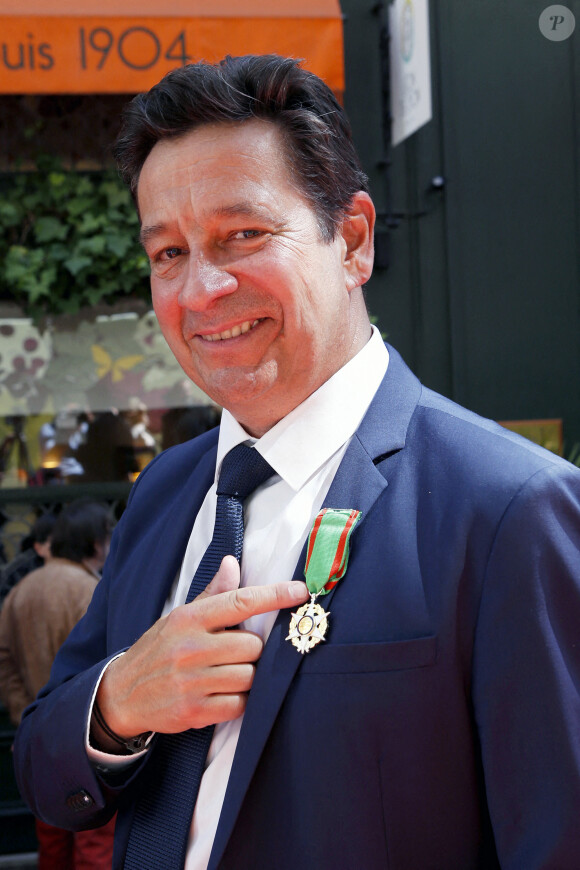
{"x": 103, "y": 737}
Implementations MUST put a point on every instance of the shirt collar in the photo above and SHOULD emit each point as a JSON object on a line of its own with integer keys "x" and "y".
{"x": 299, "y": 444}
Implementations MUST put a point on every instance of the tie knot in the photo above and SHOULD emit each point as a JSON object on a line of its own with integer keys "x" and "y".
{"x": 243, "y": 470}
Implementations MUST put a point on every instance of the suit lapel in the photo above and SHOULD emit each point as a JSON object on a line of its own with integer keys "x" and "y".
{"x": 357, "y": 484}
{"x": 162, "y": 549}
{"x": 179, "y": 522}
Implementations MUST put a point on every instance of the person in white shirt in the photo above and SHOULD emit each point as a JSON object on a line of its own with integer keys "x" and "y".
{"x": 411, "y": 734}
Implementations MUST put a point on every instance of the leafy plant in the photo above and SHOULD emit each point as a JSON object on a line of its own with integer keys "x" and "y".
{"x": 68, "y": 240}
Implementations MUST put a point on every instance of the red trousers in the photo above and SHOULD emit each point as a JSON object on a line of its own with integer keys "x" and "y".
{"x": 78, "y": 850}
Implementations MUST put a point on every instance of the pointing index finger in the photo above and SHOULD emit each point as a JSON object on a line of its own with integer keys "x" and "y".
{"x": 230, "y": 608}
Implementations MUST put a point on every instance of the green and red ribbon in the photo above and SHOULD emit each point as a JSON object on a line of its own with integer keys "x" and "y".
{"x": 328, "y": 548}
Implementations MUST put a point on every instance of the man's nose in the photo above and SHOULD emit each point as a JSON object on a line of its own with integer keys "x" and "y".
{"x": 205, "y": 282}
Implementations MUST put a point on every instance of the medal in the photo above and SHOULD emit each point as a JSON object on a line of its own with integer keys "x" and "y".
{"x": 326, "y": 562}
{"x": 308, "y": 625}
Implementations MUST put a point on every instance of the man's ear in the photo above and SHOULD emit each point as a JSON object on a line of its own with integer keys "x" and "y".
{"x": 358, "y": 234}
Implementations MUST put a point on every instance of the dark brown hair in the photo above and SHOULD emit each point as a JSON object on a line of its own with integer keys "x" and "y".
{"x": 319, "y": 148}
{"x": 81, "y": 525}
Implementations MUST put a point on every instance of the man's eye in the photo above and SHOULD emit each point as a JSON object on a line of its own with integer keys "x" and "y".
{"x": 247, "y": 234}
{"x": 172, "y": 253}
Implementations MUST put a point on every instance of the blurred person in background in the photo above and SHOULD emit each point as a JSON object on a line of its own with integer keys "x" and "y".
{"x": 182, "y": 424}
{"x": 34, "y": 551}
{"x": 107, "y": 453}
{"x": 37, "y": 616}
{"x": 144, "y": 444}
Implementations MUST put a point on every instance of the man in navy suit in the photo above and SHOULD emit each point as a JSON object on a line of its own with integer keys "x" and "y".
{"x": 437, "y": 725}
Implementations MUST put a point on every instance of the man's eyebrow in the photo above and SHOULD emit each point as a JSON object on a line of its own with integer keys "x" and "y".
{"x": 242, "y": 209}
{"x": 237, "y": 209}
{"x": 148, "y": 233}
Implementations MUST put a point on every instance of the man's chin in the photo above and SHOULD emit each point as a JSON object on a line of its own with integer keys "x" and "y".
{"x": 232, "y": 387}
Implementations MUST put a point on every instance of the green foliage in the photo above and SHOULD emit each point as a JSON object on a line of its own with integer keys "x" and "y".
{"x": 68, "y": 240}
{"x": 574, "y": 456}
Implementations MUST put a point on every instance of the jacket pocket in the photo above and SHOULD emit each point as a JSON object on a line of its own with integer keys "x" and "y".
{"x": 359, "y": 658}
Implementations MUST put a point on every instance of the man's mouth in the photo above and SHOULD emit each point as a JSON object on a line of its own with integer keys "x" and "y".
{"x": 238, "y": 329}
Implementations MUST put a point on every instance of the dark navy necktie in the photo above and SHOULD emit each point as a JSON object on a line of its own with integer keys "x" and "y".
{"x": 159, "y": 834}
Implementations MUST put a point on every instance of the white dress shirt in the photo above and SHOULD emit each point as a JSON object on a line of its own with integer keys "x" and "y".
{"x": 305, "y": 450}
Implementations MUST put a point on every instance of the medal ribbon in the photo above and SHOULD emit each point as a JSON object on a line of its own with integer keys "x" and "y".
{"x": 328, "y": 549}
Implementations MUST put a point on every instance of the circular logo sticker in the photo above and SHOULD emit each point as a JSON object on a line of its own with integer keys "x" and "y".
{"x": 557, "y": 23}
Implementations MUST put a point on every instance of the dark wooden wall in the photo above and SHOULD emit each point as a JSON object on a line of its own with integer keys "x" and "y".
{"x": 482, "y": 294}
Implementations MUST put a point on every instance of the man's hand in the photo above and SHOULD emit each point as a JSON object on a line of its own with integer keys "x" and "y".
{"x": 189, "y": 670}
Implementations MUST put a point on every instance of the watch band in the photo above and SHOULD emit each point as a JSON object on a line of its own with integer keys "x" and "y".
{"x": 129, "y": 744}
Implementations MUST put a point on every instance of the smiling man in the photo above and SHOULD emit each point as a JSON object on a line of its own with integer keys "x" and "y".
{"x": 422, "y": 710}
{"x": 258, "y": 306}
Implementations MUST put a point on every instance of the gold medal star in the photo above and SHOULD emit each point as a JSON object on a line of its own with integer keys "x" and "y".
{"x": 308, "y": 626}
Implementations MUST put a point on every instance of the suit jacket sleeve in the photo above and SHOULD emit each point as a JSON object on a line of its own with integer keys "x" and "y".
{"x": 51, "y": 763}
{"x": 53, "y": 771}
{"x": 526, "y": 676}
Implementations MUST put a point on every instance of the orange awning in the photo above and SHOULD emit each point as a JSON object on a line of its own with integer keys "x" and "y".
{"x": 125, "y": 46}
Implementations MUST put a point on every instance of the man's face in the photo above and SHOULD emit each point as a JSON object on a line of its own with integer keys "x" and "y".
{"x": 255, "y": 306}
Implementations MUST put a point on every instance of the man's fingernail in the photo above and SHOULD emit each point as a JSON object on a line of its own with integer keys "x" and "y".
{"x": 298, "y": 590}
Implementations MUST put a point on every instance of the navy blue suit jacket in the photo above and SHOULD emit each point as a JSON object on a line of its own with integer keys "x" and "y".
{"x": 438, "y": 727}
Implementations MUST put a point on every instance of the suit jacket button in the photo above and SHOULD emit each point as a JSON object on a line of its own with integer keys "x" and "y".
{"x": 80, "y": 800}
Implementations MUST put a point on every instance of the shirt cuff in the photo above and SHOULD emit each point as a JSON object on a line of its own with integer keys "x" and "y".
{"x": 104, "y": 760}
